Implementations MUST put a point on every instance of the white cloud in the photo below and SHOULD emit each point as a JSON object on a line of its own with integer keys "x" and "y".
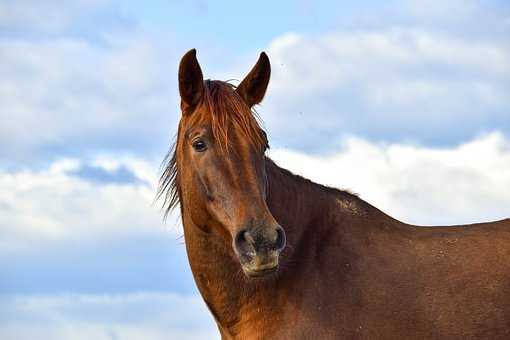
{"x": 389, "y": 83}
{"x": 312, "y": 63}
{"x": 57, "y": 204}
{"x": 436, "y": 9}
{"x": 25, "y": 15}
{"x": 64, "y": 90}
{"x": 133, "y": 316}
{"x": 116, "y": 90}
{"x": 94, "y": 82}
{"x": 422, "y": 185}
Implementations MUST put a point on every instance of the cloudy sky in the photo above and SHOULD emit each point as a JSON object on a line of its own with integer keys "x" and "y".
{"x": 403, "y": 102}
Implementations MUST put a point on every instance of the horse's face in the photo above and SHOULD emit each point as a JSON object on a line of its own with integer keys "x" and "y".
{"x": 221, "y": 164}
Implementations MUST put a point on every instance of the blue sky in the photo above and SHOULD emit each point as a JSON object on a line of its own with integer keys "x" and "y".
{"x": 391, "y": 100}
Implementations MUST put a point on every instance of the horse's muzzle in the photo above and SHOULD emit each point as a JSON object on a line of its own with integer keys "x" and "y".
{"x": 258, "y": 249}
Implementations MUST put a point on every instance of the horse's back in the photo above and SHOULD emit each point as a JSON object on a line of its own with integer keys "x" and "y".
{"x": 441, "y": 282}
{"x": 389, "y": 280}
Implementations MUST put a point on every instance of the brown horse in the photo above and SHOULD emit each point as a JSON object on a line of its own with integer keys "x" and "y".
{"x": 276, "y": 256}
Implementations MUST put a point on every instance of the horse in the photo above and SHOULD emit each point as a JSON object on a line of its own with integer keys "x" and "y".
{"x": 277, "y": 256}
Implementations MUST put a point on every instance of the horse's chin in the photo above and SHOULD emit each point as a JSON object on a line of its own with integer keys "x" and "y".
{"x": 259, "y": 265}
{"x": 260, "y": 273}
{"x": 256, "y": 270}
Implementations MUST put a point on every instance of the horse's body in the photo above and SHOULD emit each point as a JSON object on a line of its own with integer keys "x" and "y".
{"x": 349, "y": 271}
{"x": 352, "y": 272}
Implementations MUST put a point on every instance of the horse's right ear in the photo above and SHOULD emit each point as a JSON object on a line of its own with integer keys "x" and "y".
{"x": 253, "y": 87}
{"x": 191, "y": 82}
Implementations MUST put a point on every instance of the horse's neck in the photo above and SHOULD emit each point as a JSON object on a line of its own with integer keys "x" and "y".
{"x": 295, "y": 203}
{"x": 215, "y": 270}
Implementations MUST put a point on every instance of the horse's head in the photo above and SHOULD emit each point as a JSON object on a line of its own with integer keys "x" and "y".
{"x": 219, "y": 170}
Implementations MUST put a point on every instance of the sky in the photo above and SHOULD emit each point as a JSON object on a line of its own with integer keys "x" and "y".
{"x": 403, "y": 102}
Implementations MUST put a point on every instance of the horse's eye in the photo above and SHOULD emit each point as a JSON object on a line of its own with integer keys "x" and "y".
{"x": 199, "y": 145}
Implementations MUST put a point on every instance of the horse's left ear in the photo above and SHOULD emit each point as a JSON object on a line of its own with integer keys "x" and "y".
{"x": 191, "y": 82}
{"x": 253, "y": 87}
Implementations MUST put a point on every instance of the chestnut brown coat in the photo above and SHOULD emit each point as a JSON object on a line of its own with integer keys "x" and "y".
{"x": 276, "y": 256}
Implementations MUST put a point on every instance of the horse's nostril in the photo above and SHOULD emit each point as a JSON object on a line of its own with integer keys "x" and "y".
{"x": 280, "y": 239}
{"x": 244, "y": 242}
{"x": 249, "y": 238}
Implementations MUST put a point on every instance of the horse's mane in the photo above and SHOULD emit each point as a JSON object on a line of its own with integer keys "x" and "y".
{"x": 223, "y": 109}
